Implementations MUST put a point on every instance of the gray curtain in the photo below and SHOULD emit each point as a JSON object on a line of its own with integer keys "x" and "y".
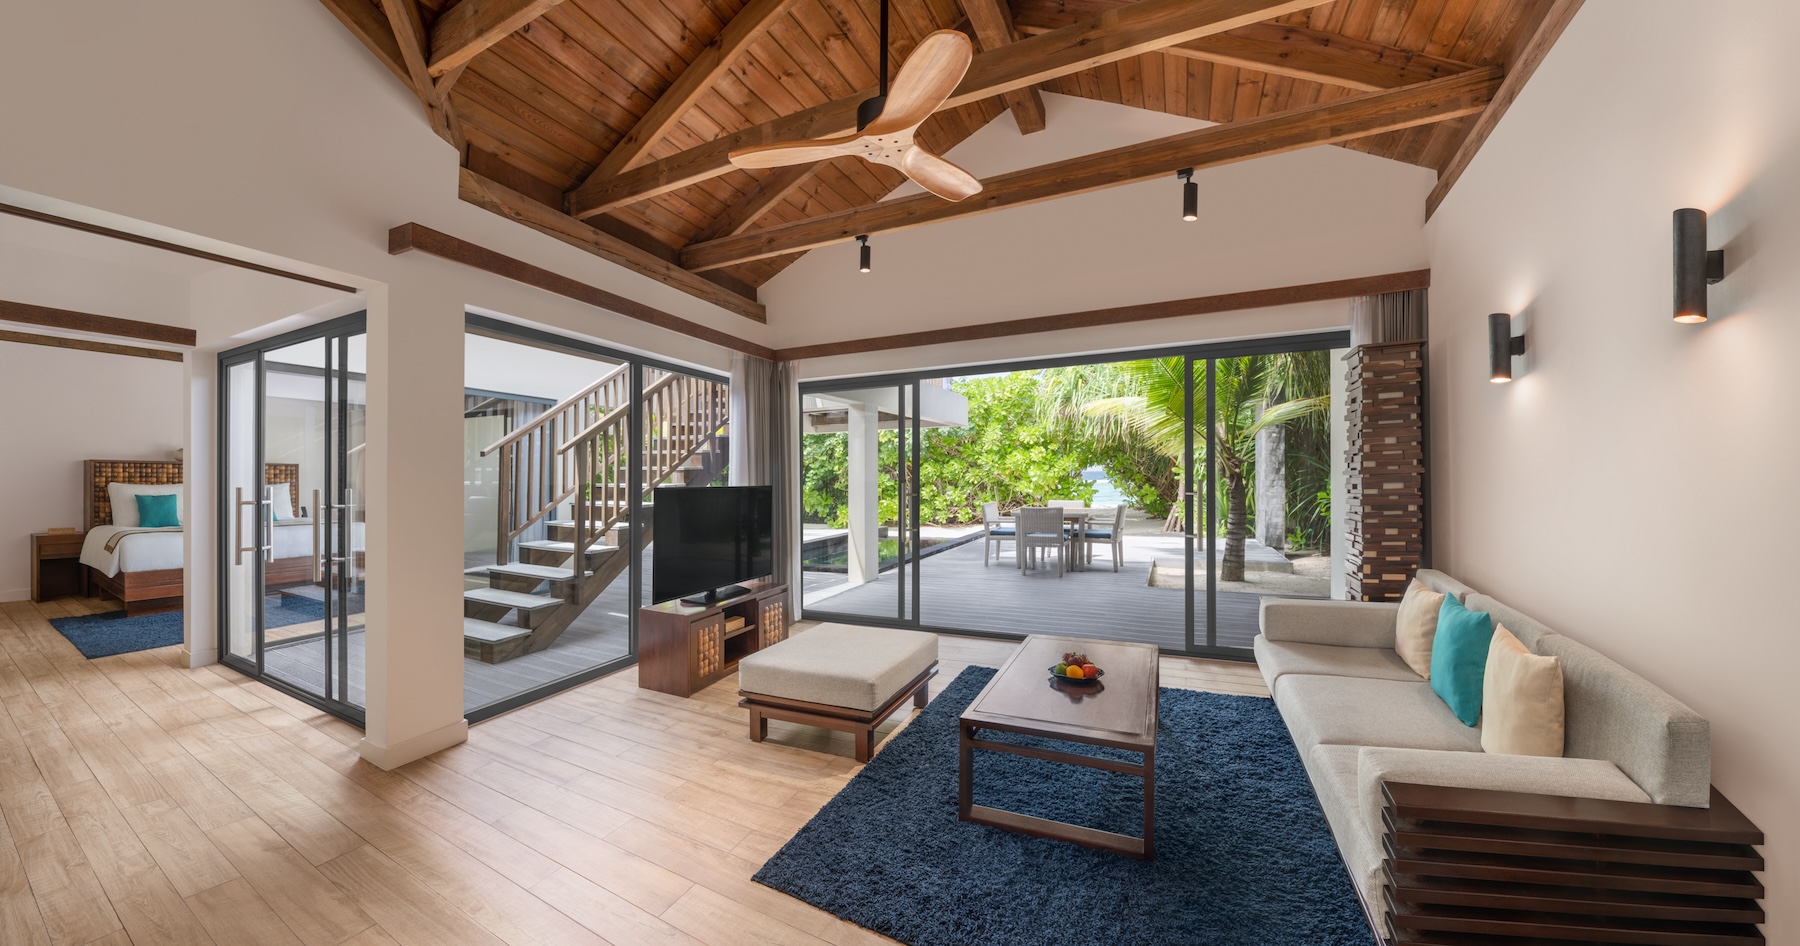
{"x": 1389, "y": 317}
{"x": 764, "y": 419}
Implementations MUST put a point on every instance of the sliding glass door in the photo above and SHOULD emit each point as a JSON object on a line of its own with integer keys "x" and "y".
{"x": 1191, "y": 484}
{"x": 292, "y": 424}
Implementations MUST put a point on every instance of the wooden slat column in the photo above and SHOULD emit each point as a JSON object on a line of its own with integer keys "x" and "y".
{"x": 1468, "y": 866}
{"x": 1385, "y": 486}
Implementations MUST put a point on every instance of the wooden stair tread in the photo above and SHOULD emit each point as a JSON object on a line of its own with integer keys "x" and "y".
{"x": 540, "y": 572}
{"x": 487, "y": 632}
{"x": 511, "y": 599}
{"x": 550, "y": 545}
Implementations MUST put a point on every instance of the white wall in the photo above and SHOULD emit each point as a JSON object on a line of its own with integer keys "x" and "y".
{"x": 1634, "y": 486}
{"x": 1321, "y": 214}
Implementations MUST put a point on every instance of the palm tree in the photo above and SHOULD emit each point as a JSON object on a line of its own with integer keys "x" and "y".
{"x": 1250, "y": 394}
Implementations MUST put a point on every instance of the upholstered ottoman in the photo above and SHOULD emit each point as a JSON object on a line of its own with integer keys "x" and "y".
{"x": 837, "y": 677}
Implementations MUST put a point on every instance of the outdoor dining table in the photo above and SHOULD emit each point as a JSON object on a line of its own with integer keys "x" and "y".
{"x": 1075, "y": 517}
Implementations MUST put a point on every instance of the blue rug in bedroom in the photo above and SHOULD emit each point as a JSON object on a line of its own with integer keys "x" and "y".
{"x": 112, "y": 633}
{"x": 1243, "y": 855}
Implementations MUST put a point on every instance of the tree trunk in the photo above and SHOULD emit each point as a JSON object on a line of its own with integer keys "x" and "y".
{"x": 1236, "y": 530}
{"x": 1271, "y": 486}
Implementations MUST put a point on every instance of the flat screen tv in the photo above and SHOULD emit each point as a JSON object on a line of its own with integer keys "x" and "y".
{"x": 709, "y": 538}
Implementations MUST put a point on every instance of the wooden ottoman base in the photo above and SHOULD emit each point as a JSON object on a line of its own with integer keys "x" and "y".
{"x": 857, "y": 722}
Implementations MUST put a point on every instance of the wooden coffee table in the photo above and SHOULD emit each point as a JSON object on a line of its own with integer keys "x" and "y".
{"x": 1119, "y": 713}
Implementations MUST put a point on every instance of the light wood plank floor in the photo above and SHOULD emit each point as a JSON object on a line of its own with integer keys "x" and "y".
{"x": 147, "y": 803}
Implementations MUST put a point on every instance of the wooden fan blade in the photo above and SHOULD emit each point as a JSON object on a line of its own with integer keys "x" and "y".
{"x": 938, "y": 175}
{"x": 805, "y": 151}
{"x": 925, "y": 80}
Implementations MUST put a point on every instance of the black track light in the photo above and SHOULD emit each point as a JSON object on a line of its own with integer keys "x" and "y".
{"x": 1190, "y": 195}
{"x": 864, "y": 240}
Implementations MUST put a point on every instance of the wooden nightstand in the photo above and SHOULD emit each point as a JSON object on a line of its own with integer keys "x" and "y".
{"x": 56, "y": 569}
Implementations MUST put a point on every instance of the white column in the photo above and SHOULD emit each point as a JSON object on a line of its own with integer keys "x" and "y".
{"x": 200, "y": 508}
{"x": 865, "y": 497}
{"x": 415, "y": 505}
{"x": 1340, "y": 443}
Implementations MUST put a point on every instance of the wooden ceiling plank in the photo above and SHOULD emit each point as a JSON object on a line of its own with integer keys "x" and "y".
{"x": 774, "y": 188}
{"x": 1524, "y": 62}
{"x": 992, "y": 20}
{"x": 68, "y": 319}
{"x": 699, "y": 76}
{"x": 369, "y": 25}
{"x": 470, "y": 27}
{"x": 515, "y": 206}
{"x": 1358, "y": 116}
{"x": 409, "y": 33}
{"x": 1117, "y": 34}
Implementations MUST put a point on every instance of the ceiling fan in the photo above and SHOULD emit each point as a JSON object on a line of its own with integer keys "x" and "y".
{"x": 886, "y": 124}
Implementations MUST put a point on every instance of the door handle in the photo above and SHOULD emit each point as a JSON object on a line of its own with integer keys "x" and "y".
{"x": 237, "y": 523}
{"x": 318, "y": 537}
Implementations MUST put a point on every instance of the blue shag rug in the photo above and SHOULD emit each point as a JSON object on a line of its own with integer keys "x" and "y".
{"x": 106, "y": 635}
{"x": 1243, "y": 855}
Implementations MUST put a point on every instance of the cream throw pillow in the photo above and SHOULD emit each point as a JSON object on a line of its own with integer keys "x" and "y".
{"x": 1521, "y": 700}
{"x": 1416, "y": 626}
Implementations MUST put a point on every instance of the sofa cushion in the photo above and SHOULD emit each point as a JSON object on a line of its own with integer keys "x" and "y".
{"x": 1416, "y": 625}
{"x": 1333, "y": 772}
{"x": 1279, "y": 658}
{"x": 1459, "y": 658}
{"x": 1611, "y": 713}
{"x": 1351, "y": 711}
{"x": 1521, "y": 700}
{"x": 838, "y": 665}
{"x": 1529, "y": 630}
{"x": 1321, "y": 621}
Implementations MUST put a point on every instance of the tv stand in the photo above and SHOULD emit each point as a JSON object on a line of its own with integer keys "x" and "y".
{"x": 684, "y": 648}
{"x": 716, "y": 595}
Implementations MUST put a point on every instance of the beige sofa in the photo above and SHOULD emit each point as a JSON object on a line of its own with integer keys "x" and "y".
{"x": 1360, "y": 717}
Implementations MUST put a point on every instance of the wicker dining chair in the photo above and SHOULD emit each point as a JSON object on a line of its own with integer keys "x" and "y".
{"x": 1040, "y": 528}
{"x": 996, "y": 529}
{"x": 1107, "y": 529}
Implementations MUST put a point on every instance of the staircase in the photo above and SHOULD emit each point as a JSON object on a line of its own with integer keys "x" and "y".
{"x": 576, "y": 456}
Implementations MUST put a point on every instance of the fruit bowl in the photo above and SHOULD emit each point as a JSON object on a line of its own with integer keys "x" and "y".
{"x": 1084, "y": 673}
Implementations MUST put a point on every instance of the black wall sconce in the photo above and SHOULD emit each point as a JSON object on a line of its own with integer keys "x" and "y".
{"x": 1502, "y": 346}
{"x": 1696, "y": 267}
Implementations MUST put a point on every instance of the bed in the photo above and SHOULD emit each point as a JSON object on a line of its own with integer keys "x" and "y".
{"x": 143, "y": 567}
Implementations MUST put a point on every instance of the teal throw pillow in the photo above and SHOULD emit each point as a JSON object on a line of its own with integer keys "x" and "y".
{"x": 1459, "y": 658}
{"x": 157, "y": 511}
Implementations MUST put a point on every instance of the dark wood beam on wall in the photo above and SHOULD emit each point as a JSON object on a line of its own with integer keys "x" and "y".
{"x": 992, "y": 21}
{"x": 748, "y": 26}
{"x": 68, "y": 319}
{"x": 409, "y": 237}
{"x": 1117, "y": 34}
{"x": 465, "y": 30}
{"x": 1203, "y": 305}
{"x": 498, "y": 198}
{"x": 1356, "y": 116}
{"x": 82, "y": 344}
{"x": 1524, "y": 61}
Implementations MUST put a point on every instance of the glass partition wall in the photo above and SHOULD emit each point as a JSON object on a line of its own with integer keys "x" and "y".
{"x": 1187, "y": 485}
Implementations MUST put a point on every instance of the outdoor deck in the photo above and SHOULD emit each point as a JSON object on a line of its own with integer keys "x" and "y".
{"x": 957, "y": 591}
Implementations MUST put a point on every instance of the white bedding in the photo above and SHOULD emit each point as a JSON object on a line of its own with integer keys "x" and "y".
{"x": 145, "y": 550}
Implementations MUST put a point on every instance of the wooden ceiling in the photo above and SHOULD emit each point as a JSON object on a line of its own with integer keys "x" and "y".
{"x": 604, "y": 109}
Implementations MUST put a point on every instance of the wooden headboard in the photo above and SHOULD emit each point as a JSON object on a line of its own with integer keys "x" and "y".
{"x": 97, "y": 505}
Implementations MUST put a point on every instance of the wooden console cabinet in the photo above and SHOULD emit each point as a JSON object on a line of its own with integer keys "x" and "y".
{"x": 685, "y": 648}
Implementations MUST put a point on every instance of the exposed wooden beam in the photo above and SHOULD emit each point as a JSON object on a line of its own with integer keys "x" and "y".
{"x": 369, "y": 25}
{"x": 992, "y": 20}
{"x": 1204, "y": 305}
{"x": 411, "y": 236}
{"x": 1117, "y": 34}
{"x": 82, "y": 344}
{"x": 152, "y": 242}
{"x": 1522, "y": 63}
{"x": 1355, "y": 116}
{"x": 409, "y": 32}
{"x": 775, "y": 187}
{"x": 71, "y": 320}
{"x": 1293, "y": 51}
{"x": 701, "y": 74}
{"x": 464, "y": 30}
{"x": 513, "y": 205}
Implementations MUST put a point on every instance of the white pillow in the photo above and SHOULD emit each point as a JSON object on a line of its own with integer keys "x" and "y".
{"x": 124, "y": 500}
{"x": 283, "y": 496}
{"x": 1415, "y": 627}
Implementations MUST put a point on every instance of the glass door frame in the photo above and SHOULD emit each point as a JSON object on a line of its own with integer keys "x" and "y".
{"x": 339, "y": 329}
{"x": 907, "y": 613}
{"x": 639, "y": 516}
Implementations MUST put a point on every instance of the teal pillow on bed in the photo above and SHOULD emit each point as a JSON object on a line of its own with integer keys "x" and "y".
{"x": 1459, "y": 655}
{"x": 157, "y": 511}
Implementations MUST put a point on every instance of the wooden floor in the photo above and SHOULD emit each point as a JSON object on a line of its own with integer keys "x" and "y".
{"x": 147, "y": 803}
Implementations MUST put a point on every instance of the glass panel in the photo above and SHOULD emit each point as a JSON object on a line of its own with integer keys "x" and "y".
{"x": 850, "y": 501}
{"x": 295, "y": 431}
{"x": 349, "y": 518}
{"x": 239, "y": 495}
